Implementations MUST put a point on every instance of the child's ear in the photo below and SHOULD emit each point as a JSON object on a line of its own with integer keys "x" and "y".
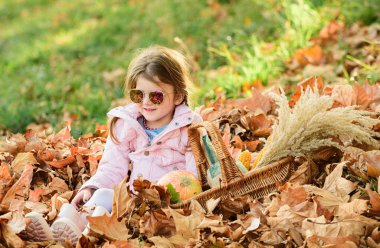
{"x": 178, "y": 99}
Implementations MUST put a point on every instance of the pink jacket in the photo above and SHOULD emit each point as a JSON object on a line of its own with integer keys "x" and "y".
{"x": 168, "y": 151}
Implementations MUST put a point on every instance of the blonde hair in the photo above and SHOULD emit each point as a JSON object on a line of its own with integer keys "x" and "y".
{"x": 157, "y": 64}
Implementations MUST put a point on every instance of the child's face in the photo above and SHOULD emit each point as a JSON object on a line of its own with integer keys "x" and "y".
{"x": 157, "y": 115}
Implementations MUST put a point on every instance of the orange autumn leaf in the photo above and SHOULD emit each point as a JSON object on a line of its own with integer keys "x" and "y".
{"x": 311, "y": 55}
{"x": 344, "y": 95}
{"x": 372, "y": 159}
{"x": 35, "y": 195}
{"x": 252, "y": 145}
{"x": 5, "y": 173}
{"x": 62, "y": 163}
{"x": 315, "y": 83}
{"x": 21, "y": 185}
{"x": 64, "y": 134}
{"x": 21, "y": 160}
{"x": 330, "y": 31}
{"x": 237, "y": 142}
{"x": 101, "y": 131}
{"x": 374, "y": 199}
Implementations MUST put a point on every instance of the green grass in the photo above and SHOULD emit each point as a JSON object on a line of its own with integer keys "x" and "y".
{"x": 260, "y": 57}
{"x": 53, "y": 53}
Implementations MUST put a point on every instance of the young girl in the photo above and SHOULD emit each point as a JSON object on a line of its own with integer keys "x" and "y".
{"x": 150, "y": 133}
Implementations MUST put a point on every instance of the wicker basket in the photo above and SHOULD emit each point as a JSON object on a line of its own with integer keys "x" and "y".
{"x": 256, "y": 183}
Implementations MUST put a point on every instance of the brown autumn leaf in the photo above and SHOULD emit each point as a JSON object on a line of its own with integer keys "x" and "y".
{"x": 157, "y": 223}
{"x": 57, "y": 184}
{"x": 10, "y": 237}
{"x": 311, "y": 55}
{"x": 344, "y": 95}
{"x": 252, "y": 145}
{"x": 351, "y": 209}
{"x": 374, "y": 199}
{"x": 237, "y": 142}
{"x": 35, "y": 195}
{"x": 271, "y": 237}
{"x": 362, "y": 98}
{"x": 160, "y": 241}
{"x": 372, "y": 159}
{"x": 113, "y": 226}
{"x": 330, "y": 31}
{"x": 63, "y": 135}
{"x": 335, "y": 242}
{"x": 109, "y": 226}
{"x": 21, "y": 160}
{"x": 59, "y": 164}
{"x": 334, "y": 183}
{"x": 13, "y": 145}
{"x": 356, "y": 227}
{"x": 302, "y": 175}
{"x": 372, "y": 92}
{"x": 34, "y": 144}
{"x": 293, "y": 196}
{"x": 115, "y": 244}
{"x": 6, "y": 179}
{"x": 101, "y": 131}
{"x": 257, "y": 104}
{"x": 315, "y": 83}
{"x": 186, "y": 225}
{"x": 21, "y": 186}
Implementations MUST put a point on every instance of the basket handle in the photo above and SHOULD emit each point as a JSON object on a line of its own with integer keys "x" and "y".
{"x": 229, "y": 169}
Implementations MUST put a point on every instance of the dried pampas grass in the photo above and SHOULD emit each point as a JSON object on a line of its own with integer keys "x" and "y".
{"x": 312, "y": 123}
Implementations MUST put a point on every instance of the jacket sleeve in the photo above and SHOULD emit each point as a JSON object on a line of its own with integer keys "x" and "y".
{"x": 189, "y": 156}
{"x": 114, "y": 165}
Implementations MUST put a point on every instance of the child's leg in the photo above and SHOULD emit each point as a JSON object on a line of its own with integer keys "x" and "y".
{"x": 70, "y": 223}
{"x": 102, "y": 199}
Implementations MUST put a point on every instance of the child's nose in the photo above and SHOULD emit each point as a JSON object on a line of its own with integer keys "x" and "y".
{"x": 146, "y": 99}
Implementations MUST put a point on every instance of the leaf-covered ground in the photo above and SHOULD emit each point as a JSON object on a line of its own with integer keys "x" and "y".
{"x": 332, "y": 199}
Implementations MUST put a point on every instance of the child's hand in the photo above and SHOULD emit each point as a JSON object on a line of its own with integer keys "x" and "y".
{"x": 82, "y": 197}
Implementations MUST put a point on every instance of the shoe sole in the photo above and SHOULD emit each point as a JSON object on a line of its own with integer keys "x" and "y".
{"x": 38, "y": 229}
{"x": 64, "y": 229}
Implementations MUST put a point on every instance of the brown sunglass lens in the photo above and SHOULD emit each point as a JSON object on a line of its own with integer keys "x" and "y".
{"x": 156, "y": 97}
{"x": 136, "y": 96}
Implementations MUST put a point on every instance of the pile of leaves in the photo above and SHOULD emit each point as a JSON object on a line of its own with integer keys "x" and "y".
{"x": 340, "y": 53}
{"x": 331, "y": 200}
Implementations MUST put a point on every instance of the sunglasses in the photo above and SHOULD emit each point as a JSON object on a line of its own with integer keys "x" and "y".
{"x": 155, "y": 97}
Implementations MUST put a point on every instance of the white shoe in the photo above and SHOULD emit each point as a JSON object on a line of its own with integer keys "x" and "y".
{"x": 65, "y": 229}
{"x": 38, "y": 229}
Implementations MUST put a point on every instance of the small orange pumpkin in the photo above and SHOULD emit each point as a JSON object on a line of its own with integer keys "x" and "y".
{"x": 184, "y": 182}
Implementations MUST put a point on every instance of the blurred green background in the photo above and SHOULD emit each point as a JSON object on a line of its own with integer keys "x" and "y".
{"x": 67, "y": 59}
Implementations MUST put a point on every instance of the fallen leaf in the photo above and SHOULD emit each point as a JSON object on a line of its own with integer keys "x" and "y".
{"x": 161, "y": 242}
{"x": 336, "y": 184}
{"x": 351, "y": 209}
{"x": 10, "y": 237}
{"x": 343, "y": 95}
{"x": 372, "y": 159}
{"x": 157, "y": 223}
{"x": 59, "y": 185}
{"x": 311, "y": 55}
{"x": 63, "y": 162}
{"x": 22, "y": 184}
{"x": 186, "y": 225}
{"x": 293, "y": 196}
{"x": 21, "y": 160}
{"x": 253, "y": 226}
{"x": 374, "y": 199}
{"x": 211, "y": 204}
